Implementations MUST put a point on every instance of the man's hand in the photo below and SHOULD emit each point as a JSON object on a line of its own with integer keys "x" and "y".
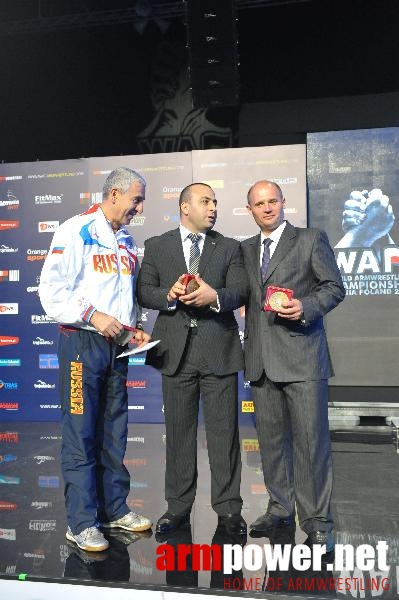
{"x": 177, "y": 290}
{"x": 203, "y": 296}
{"x": 291, "y": 310}
{"x": 140, "y": 338}
{"x": 367, "y": 217}
{"x": 354, "y": 211}
{"x": 105, "y": 324}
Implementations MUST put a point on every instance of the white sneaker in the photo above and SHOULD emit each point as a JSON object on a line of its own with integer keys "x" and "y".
{"x": 131, "y": 522}
{"x": 90, "y": 539}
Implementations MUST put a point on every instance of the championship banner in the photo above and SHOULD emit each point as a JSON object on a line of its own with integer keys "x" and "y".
{"x": 353, "y": 179}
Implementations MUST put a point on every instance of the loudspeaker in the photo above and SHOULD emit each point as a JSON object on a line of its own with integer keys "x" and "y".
{"x": 213, "y": 52}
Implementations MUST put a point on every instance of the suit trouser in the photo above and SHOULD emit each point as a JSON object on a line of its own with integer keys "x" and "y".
{"x": 94, "y": 428}
{"x": 294, "y": 440}
{"x": 181, "y": 394}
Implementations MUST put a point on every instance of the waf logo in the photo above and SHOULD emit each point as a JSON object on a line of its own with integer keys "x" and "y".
{"x": 8, "y": 340}
{"x": 9, "y": 225}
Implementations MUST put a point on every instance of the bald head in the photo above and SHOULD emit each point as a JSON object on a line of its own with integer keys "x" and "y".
{"x": 264, "y": 183}
{"x": 266, "y": 204}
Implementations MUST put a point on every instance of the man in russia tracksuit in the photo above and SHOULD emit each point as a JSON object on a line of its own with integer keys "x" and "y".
{"x": 88, "y": 285}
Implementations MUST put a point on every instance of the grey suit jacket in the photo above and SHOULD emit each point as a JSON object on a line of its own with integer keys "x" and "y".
{"x": 221, "y": 266}
{"x": 289, "y": 350}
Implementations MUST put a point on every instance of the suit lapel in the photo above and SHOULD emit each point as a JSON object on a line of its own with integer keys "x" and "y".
{"x": 210, "y": 243}
{"x": 254, "y": 254}
{"x": 285, "y": 243}
{"x": 176, "y": 251}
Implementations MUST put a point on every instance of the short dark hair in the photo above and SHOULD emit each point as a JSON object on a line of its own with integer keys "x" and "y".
{"x": 185, "y": 194}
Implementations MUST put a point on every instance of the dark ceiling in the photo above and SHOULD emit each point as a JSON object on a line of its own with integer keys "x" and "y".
{"x": 17, "y": 16}
{"x": 75, "y": 73}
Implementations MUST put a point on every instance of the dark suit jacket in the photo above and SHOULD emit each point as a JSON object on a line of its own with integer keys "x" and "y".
{"x": 221, "y": 266}
{"x": 288, "y": 350}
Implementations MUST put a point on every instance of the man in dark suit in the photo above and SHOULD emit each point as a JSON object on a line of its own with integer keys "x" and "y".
{"x": 288, "y": 364}
{"x": 199, "y": 354}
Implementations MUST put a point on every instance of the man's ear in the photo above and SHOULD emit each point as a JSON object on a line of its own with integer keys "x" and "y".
{"x": 114, "y": 195}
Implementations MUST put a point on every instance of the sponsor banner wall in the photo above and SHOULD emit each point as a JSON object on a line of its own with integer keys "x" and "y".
{"x": 36, "y": 197}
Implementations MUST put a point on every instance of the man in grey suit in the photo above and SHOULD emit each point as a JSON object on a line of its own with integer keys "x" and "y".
{"x": 199, "y": 354}
{"x": 288, "y": 364}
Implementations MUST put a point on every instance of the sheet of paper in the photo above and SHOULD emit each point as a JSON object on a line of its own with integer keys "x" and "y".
{"x": 138, "y": 350}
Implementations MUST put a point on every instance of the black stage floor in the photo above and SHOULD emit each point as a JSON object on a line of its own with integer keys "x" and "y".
{"x": 32, "y": 520}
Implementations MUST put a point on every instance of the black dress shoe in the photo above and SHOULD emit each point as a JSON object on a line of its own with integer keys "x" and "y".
{"x": 281, "y": 536}
{"x": 169, "y": 522}
{"x": 233, "y": 524}
{"x": 322, "y": 538}
{"x": 267, "y": 524}
{"x": 181, "y": 535}
{"x": 224, "y": 536}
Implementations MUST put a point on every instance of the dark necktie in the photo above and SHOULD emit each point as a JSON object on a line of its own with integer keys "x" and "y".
{"x": 266, "y": 258}
{"x": 193, "y": 263}
{"x": 194, "y": 253}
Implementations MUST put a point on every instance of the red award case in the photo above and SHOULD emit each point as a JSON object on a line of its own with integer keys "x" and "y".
{"x": 275, "y": 296}
{"x": 190, "y": 283}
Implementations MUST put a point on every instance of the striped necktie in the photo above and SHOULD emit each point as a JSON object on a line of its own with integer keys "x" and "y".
{"x": 266, "y": 258}
{"x": 193, "y": 264}
{"x": 194, "y": 253}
